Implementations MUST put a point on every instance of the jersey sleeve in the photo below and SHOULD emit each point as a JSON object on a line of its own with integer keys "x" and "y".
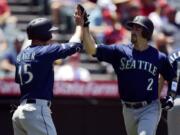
{"x": 61, "y": 51}
{"x": 166, "y": 69}
{"x": 106, "y": 53}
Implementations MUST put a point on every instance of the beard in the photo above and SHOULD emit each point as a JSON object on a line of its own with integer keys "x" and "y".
{"x": 133, "y": 38}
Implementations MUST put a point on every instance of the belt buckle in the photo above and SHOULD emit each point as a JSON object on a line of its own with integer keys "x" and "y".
{"x": 144, "y": 103}
{"x": 137, "y": 105}
{"x": 134, "y": 105}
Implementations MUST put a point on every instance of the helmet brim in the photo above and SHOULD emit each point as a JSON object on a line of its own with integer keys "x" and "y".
{"x": 129, "y": 25}
{"x": 54, "y": 29}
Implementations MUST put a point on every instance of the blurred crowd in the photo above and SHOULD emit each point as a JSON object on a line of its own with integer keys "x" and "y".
{"x": 108, "y": 20}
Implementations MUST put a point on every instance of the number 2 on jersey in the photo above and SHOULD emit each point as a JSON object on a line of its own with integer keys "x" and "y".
{"x": 24, "y": 70}
{"x": 150, "y": 82}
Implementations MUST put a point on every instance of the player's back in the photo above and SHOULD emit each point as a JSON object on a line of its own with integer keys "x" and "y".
{"x": 34, "y": 72}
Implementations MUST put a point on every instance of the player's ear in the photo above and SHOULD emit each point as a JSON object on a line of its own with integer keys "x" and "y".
{"x": 146, "y": 35}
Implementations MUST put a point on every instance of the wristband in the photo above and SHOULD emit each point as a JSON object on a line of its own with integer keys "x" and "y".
{"x": 75, "y": 40}
{"x": 174, "y": 86}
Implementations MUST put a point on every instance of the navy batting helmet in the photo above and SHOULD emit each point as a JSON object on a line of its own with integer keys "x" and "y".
{"x": 144, "y": 22}
{"x": 40, "y": 29}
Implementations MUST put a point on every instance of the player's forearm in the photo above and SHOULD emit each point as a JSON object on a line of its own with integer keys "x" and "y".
{"x": 88, "y": 42}
{"x": 5, "y": 65}
{"x": 78, "y": 35}
{"x": 161, "y": 84}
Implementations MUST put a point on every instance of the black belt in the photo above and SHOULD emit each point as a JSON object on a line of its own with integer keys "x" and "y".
{"x": 33, "y": 101}
{"x": 136, "y": 105}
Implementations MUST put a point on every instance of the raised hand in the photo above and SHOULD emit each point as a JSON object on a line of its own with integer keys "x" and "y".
{"x": 83, "y": 11}
{"x": 79, "y": 16}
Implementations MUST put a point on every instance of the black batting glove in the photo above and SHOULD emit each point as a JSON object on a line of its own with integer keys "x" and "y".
{"x": 86, "y": 19}
{"x": 167, "y": 102}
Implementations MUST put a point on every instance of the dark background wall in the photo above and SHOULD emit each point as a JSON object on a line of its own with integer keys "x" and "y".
{"x": 79, "y": 116}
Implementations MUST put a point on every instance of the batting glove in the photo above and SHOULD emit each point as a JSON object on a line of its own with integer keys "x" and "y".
{"x": 86, "y": 19}
{"x": 167, "y": 102}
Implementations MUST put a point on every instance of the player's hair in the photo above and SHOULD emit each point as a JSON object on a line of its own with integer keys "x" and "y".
{"x": 146, "y": 34}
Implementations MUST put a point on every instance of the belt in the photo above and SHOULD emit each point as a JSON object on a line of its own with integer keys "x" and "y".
{"x": 37, "y": 101}
{"x": 136, "y": 105}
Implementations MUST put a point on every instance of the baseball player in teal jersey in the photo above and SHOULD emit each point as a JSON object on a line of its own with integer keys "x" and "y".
{"x": 137, "y": 66}
{"x": 173, "y": 117}
{"x": 35, "y": 76}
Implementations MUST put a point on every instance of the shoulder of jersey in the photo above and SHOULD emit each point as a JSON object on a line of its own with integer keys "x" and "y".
{"x": 126, "y": 46}
{"x": 174, "y": 56}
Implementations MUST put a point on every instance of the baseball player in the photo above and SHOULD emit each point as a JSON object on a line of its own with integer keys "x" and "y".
{"x": 137, "y": 66}
{"x": 173, "y": 117}
{"x": 35, "y": 76}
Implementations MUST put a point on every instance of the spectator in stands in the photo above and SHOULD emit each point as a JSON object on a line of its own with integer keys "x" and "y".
{"x": 161, "y": 43}
{"x": 43, "y": 5}
{"x": 114, "y": 32}
{"x": 4, "y": 12}
{"x": 11, "y": 32}
{"x": 127, "y": 10}
{"x": 3, "y": 48}
{"x": 8, "y": 61}
{"x": 122, "y": 7}
{"x": 159, "y": 17}
{"x": 3, "y": 43}
{"x": 172, "y": 28}
{"x": 99, "y": 18}
{"x": 147, "y": 6}
{"x": 72, "y": 71}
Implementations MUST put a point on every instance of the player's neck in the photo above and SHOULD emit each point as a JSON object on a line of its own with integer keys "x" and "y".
{"x": 141, "y": 46}
{"x": 38, "y": 42}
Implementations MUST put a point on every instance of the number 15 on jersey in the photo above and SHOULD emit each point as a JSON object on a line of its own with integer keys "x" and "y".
{"x": 24, "y": 74}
